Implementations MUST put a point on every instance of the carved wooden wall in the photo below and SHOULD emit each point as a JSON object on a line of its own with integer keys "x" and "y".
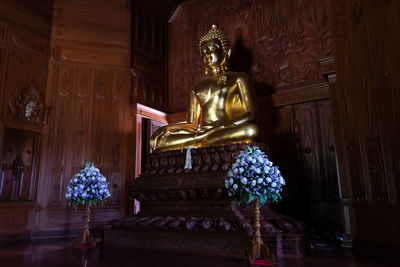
{"x": 77, "y": 76}
{"x": 90, "y": 120}
{"x": 24, "y": 52}
{"x": 286, "y": 47}
{"x": 366, "y": 110}
{"x": 148, "y": 57}
{"x": 19, "y": 173}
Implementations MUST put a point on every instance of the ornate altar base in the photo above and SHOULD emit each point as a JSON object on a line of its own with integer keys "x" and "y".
{"x": 190, "y": 209}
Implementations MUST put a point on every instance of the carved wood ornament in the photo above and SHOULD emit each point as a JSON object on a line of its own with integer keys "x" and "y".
{"x": 27, "y": 105}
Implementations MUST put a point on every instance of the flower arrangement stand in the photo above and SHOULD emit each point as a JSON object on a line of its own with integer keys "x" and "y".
{"x": 259, "y": 253}
{"x": 85, "y": 240}
{"x": 86, "y": 188}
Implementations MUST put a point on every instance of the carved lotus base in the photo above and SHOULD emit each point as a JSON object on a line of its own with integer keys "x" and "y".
{"x": 191, "y": 210}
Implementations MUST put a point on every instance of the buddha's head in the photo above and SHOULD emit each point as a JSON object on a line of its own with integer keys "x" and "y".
{"x": 215, "y": 51}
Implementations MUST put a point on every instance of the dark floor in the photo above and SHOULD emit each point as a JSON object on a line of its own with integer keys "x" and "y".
{"x": 57, "y": 253}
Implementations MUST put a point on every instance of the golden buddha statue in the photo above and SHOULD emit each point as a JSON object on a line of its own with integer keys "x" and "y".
{"x": 221, "y": 107}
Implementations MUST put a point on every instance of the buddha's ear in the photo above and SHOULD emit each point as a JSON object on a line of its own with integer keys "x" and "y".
{"x": 228, "y": 55}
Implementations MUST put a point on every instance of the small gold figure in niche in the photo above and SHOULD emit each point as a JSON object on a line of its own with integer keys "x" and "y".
{"x": 221, "y": 109}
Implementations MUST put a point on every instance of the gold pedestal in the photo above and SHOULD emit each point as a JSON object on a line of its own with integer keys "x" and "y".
{"x": 85, "y": 240}
{"x": 259, "y": 253}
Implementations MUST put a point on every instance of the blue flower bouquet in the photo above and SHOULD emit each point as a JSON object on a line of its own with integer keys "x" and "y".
{"x": 88, "y": 187}
{"x": 253, "y": 176}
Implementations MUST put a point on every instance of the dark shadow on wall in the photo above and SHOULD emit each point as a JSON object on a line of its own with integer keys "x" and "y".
{"x": 280, "y": 145}
{"x": 241, "y": 58}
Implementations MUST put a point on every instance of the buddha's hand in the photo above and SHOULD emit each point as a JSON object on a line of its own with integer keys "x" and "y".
{"x": 160, "y": 134}
{"x": 154, "y": 139}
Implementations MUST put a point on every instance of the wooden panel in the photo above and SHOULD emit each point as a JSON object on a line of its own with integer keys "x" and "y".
{"x": 18, "y": 170}
{"x": 100, "y": 114}
{"x": 385, "y": 85}
{"x": 95, "y": 57}
{"x": 306, "y": 128}
{"x": 91, "y": 22}
{"x": 81, "y": 111}
{"x": 3, "y": 32}
{"x": 148, "y": 57}
{"x": 368, "y": 68}
{"x": 9, "y": 154}
{"x": 3, "y": 59}
{"x": 98, "y": 97}
{"x": 38, "y": 9}
{"x": 95, "y": 133}
{"x": 300, "y": 94}
{"x": 328, "y": 159}
{"x": 118, "y": 91}
{"x": 296, "y": 125}
{"x": 59, "y": 135}
{"x": 16, "y": 220}
{"x": 27, "y": 180}
{"x": 33, "y": 16}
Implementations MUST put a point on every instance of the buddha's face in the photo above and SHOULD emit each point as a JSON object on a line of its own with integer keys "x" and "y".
{"x": 213, "y": 55}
